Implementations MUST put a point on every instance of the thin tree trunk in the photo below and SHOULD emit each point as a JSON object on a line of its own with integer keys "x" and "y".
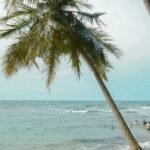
{"x": 147, "y": 5}
{"x": 125, "y": 129}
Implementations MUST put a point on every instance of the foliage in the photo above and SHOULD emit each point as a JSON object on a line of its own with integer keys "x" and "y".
{"x": 52, "y": 29}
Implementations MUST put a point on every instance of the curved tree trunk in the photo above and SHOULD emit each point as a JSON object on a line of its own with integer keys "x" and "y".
{"x": 147, "y": 5}
{"x": 123, "y": 126}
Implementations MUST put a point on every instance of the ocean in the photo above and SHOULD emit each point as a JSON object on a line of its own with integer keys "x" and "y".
{"x": 69, "y": 125}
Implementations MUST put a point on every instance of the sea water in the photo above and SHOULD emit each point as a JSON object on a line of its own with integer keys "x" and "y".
{"x": 69, "y": 125}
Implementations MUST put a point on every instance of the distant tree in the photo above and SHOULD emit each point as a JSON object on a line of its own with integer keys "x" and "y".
{"x": 52, "y": 29}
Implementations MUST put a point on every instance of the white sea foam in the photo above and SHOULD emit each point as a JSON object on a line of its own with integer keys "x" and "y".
{"x": 145, "y": 107}
{"x": 88, "y": 111}
{"x": 137, "y": 109}
{"x": 106, "y": 111}
{"x": 144, "y": 145}
{"x": 130, "y": 110}
{"x": 76, "y": 111}
{"x": 92, "y": 148}
{"x": 134, "y": 109}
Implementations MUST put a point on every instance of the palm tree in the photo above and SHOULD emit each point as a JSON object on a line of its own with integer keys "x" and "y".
{"x": 147, "y": 5}
{"x": 52, "y": 29}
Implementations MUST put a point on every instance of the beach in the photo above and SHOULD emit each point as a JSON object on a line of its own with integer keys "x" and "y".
{"x": 69, "y": 125}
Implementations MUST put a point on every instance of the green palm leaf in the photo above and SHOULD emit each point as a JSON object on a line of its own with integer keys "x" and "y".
{"x": 51, "y": 29}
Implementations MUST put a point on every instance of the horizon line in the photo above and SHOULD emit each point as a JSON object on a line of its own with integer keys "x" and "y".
{"x": 70, "y": 100}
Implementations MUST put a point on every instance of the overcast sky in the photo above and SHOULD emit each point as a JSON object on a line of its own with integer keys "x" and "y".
{"x": 129, "y": 25}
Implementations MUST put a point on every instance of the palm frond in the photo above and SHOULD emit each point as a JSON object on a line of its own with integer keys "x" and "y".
{"x": 90, "y": 17}
{"x": 84, "y": 4}
{"x": 14, "y": 59}
{"x": 97, "y": 63}
{"x": 105, "y": 40}
{"x": 75, "y": 61}
{"x": 51, "y": 29}
{"x": 51, "y": 62}
{"x": 14, "y": 15}
{"x": 88, "y": 39}
{"x": 13, "y": 3}
{"x": 15, "y": 28}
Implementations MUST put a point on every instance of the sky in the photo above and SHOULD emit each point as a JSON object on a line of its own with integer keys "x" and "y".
{"x": 129, "y": 25}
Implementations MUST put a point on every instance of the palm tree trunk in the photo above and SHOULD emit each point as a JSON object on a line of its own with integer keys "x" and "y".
{"x": 147, "y": 5}
{"x": 125, "y": 129}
